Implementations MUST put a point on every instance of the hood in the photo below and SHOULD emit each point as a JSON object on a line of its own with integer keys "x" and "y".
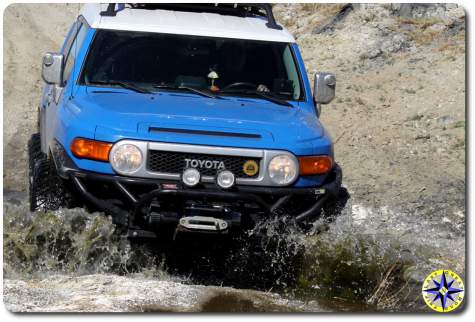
{"x": 189, "y": 118}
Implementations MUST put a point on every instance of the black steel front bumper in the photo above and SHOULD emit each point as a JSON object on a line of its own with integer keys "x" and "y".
{"x": 268, "y": 199}
{"x": 329, "y": 189}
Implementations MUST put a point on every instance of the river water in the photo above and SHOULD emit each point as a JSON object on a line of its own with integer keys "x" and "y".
{"x": 364, "y": 259}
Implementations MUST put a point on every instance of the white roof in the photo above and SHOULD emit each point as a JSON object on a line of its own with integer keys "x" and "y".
{"x": 185, "y": 23}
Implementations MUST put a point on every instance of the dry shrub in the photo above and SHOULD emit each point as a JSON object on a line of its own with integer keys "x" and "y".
{"x": 420, "y": 23}
{"x": 421, "y": 34}
{"x": 325, "y": 9}
{"x": 451, "y": 47}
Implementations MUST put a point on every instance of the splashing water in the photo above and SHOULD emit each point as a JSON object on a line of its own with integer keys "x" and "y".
{"x": 378, "y": 258}
{"x": 69, "y": 241}
{"x": 362, "y": 259}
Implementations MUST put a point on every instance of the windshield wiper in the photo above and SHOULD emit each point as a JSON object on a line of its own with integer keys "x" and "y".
{"x": 125, "y": 85}
{"x": 188, "y": 88}
{"x": 265, "y": 95}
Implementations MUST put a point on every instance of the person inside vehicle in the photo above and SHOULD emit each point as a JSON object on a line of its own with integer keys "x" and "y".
{"x": 235, "y": 71}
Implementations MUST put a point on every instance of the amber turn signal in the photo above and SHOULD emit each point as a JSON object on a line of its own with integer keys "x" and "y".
{"x": 311, "y": 165}
{"x": 90, "y": 149}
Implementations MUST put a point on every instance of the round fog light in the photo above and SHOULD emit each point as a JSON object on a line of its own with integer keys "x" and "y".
{"x": 225, "y": 179}
{"x": 191, "y": 177}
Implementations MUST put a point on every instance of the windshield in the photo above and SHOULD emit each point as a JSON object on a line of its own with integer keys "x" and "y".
{"x": 174, "y": 62}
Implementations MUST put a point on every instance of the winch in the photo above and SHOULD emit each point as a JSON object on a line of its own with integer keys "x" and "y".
{"x": 195, "y": 216}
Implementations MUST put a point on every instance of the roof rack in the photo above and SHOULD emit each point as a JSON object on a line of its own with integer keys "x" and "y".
{"x": 236, "y": 9}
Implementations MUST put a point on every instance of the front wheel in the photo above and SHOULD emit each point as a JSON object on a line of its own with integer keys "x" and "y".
{"x": 47, "y": 191}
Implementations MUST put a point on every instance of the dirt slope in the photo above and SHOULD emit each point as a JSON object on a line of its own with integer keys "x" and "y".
{"x": 30, "y": 30}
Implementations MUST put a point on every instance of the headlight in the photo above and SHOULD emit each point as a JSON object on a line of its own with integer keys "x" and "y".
{"x": 126, "y": 158}
{"x": 283, "y": 169}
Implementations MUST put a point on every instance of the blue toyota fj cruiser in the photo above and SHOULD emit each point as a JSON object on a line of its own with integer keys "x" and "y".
{"x": 184, "y": 118}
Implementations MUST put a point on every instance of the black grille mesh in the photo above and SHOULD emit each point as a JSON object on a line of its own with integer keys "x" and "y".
{"x": 174, "y": 162}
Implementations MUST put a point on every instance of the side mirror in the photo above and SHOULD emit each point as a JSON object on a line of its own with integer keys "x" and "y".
{"x": 52, "y": 68}
{"x": 324, "y": 88}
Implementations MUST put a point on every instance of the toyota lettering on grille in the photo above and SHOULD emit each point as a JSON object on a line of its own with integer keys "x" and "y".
{"x": 207, "y": 164}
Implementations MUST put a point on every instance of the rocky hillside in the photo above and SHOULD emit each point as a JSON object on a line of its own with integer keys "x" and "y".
{"x": 399, "y": 117}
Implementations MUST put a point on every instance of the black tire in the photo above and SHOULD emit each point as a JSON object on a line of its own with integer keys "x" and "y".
{"x": 34, "y": 152}
{"x": 47, "y": 191}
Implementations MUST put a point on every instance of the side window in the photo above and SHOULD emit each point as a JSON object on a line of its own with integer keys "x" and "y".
{"x": 292, "y": 72}
{"x": 73, "y": 50}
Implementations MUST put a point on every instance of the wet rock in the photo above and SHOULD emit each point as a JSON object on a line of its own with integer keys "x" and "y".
{"x": 416, "y": 274}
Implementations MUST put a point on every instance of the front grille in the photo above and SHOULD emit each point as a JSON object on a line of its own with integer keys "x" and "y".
{"x": 174, "y": 162}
